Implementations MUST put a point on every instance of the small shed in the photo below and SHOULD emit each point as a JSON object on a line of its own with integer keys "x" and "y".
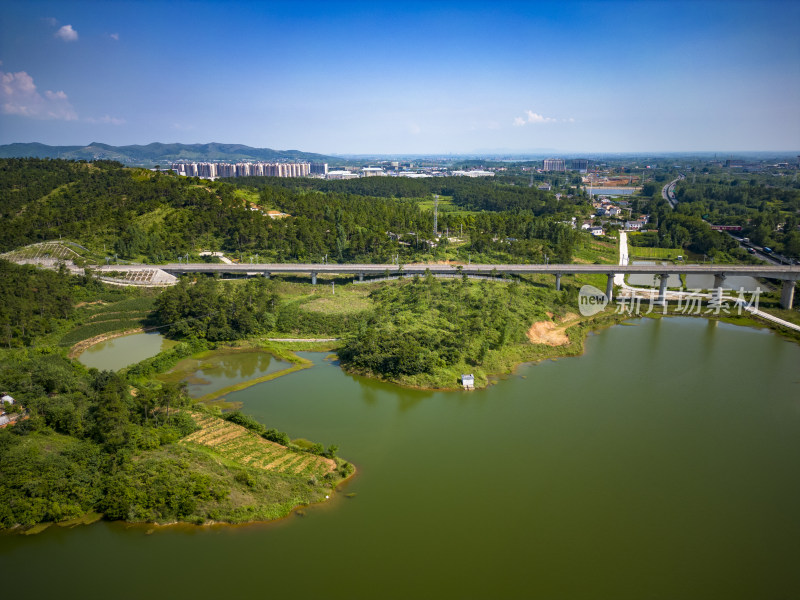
{"x": 468, "y": 381}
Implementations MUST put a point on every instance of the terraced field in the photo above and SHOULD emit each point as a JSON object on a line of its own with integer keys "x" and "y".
{"x": 42, "y": 252}
{"x": 238, "y": 444}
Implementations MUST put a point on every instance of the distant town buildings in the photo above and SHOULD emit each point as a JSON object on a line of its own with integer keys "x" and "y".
{"x": 473, "y": 173}
{"x": 372, "y": 172}
{"x": 341, "y": 175}
{"x": 208, "y": 170}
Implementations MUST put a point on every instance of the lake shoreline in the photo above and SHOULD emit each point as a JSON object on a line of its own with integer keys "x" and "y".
{"x": 91, "y": 518}
{"x": 82, "y": 346}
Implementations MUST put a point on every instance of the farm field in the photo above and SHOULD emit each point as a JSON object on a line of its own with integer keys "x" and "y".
{"x": 245, "y": 447}
{"x": 597, "y": 252}
{"x": 660, "y": 253}
{"x": 101, "y": 318}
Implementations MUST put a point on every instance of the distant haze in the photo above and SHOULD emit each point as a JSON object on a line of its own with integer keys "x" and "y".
{"x": 405, "y": 77}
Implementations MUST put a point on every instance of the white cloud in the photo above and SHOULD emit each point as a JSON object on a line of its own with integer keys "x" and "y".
{"x": 532, "y": 118}
{"x": 105, "y": 120}
{"x": 114, "y": 36}
{"x": 67, "y": 33}
{"x": 51, "y": 21}
{"x": 18, "y": 96}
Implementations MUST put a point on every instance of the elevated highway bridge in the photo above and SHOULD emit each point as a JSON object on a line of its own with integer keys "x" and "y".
{"x": 788, "y": 274}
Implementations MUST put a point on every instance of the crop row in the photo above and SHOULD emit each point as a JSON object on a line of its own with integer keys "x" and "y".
{"x": 84, "y": 332}
{"x": 245, "y": 447}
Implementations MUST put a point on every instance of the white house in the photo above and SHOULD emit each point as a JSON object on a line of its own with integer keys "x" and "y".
{"x": 633, "y": 225}
{"x": 596, "y": 231}
{"x": 468, "y": 381}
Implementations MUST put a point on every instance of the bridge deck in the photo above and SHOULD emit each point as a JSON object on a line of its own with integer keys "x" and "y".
{"x": 770, "y": 271}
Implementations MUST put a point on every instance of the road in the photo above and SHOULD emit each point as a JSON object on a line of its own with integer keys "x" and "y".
{"x": 668, "y": 192}
{"x": 619, "y": 278}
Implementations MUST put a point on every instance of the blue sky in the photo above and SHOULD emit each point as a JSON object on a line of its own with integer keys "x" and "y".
{"x": 404, "y": 77}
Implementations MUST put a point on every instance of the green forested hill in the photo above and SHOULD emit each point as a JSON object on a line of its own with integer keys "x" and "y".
{"x": 154, "y": 216}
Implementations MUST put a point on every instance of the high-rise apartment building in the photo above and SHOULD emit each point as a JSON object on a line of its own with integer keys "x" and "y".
{"x": 579, "y": 164}
{"x": 554, "y": 164}
{"x": 259, "y": 169}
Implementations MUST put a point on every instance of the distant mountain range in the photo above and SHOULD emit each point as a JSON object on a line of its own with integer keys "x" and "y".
{"x": 160, "y": 154}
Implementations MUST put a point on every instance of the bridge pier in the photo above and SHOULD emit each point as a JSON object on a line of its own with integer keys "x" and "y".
{"x": 558, "y": 282}
{"x": 716, "y": 296}
{"x": 662, "y": 289}
{"x": 787, "y": 294}
{"x": 610, "y": 287}
{"x": 266, "y": 274}
{"x": 361, "y": 276}
{"x": 313, "y": 278}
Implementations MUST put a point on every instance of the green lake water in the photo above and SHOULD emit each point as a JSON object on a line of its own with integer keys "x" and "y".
{"x": 124, "y": 351}
{"x": 661, "y": 464}
{"x": 219, "y": 371}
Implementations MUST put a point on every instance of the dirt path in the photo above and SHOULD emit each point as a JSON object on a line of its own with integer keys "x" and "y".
{"x": 550, "y": 332}
{"x": 76, "y": 350}
{"x": 302, "y": 339}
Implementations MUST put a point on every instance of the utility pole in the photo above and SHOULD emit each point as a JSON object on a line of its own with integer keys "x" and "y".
{"x": 435, "y": 214}
{"x": 333, "y": 287}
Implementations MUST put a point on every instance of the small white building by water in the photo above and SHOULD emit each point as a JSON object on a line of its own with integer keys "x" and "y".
{"x": 468, "y": 381}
